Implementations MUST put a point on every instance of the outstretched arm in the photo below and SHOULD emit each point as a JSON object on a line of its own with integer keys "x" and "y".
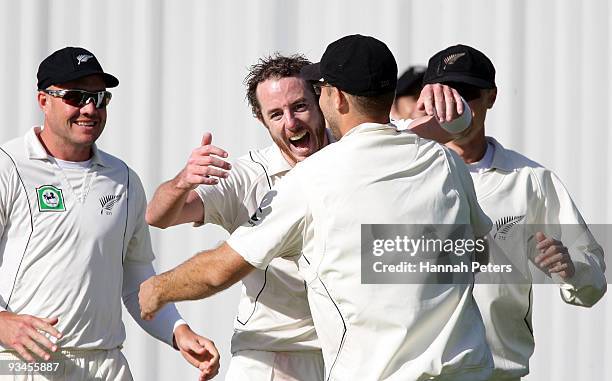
{"x": 205, "y": 274}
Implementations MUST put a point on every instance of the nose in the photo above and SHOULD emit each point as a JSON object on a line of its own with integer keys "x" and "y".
{"x": 89, "y": 108}
{"x": 290, "y": 120}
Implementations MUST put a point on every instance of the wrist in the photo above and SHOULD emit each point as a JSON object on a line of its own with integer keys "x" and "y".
{"x": 180, "y": 327}
{"x": 181, "y": 185}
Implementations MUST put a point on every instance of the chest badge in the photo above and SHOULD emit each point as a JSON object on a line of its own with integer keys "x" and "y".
{"x": 50, "y": 199}
{"x": 108, "y": 202}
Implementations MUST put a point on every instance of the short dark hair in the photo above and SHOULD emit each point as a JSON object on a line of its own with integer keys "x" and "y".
{"x": 274, "y": 66}
{"x": 379, "y": 105}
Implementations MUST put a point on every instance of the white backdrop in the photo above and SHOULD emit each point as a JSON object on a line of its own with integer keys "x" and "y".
{"x": 181, "y": 66}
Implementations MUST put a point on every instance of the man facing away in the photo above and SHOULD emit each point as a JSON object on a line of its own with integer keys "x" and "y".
{"x": 521, "y": 195}
{"x": 366, "y": 331}
{"x": 73, "y": 238}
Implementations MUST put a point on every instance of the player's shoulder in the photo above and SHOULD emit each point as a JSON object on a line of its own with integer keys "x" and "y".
{"x": 513, "y": 161}
{"x": 11, "y": 153}
{"x": 256, "y": 163}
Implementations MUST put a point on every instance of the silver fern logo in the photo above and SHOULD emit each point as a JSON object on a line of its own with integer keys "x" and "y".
{"x": 504, "y": 225}
{"x": 450, "y": 60}
{"x": 108, "y": 202}
{"x": 83, "y": 58}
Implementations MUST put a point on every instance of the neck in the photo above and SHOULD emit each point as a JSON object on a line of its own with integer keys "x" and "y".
{"x": 60, "y": 150}
{"x": 470, "y": 151}
{"x": 352, "y": 121}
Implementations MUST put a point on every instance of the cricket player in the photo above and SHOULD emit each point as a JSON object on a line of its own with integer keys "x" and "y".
{"x": 522, "y": 196}
{"x": 74, "y": 241}
{"x": 274, "y": 336}
{"x": 314, "y": 214}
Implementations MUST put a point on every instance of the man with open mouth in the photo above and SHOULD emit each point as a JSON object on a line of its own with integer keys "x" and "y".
{"x": 274, "y": 335}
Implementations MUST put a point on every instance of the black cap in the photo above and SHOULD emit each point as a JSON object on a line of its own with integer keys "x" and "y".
{"x": 359, "y": 65}
{"x": 69, "y": 64}
{"x": 411, "y": 82}
{"x": 463, "y": 64}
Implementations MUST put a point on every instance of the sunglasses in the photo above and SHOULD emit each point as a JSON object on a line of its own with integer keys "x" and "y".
{"x": 79, "y": 98}
{"x": 317, "y": 85}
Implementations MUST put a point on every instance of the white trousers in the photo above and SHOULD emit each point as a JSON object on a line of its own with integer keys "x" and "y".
{"x": 276, "y": 366}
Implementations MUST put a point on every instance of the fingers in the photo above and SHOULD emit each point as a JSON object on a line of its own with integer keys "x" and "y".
{"x": 211, "y": 348}
{"x": 47, "y": 325}
{"x": 539, "y": 236}
{"x": 206, "y": 139}
{"x": 203, "y": 163}
{"x": 31, "y": 346}
{"x": 450, "y": 105}
{"x": 458, "y": 101}
{"x": 546, "y": 260}
{"x": 42, "y": 339}
{"x": 439, "y": 101}
{"x": 425, "y": 100}
{"x": 210, "y": 161}
{"x": 209, "y": 150}
{"x": 29, "y": 340}
{"x": 23, "y": 352}
{"x": 553, "y": 257}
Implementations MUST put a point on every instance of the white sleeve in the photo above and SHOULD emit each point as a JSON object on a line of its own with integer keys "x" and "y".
{"x": 565, "y": 223}
{"x": 224, "y": 202}
{"x": 276, "y": 228}
{"x": 8, "y": 182}
{"x": 167, "y": 319}
{"x": 137, "y": 267}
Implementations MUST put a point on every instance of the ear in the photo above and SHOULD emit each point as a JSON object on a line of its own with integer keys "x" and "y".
{"x": 42, "y": 100}
{"x": 491, "y": 97}
{"x": 339, "y": 100}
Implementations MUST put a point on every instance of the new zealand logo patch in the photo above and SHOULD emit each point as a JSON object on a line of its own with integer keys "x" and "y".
{"x": 50, "y": 199}
{"x": 503, "y": 226}
{"x": 108, "y": 202}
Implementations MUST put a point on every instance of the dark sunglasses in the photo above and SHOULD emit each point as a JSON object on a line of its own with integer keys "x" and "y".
{"x": 468, "y": 92}
{"x": 79, "y": 98}
{"x": 317, "y": 85}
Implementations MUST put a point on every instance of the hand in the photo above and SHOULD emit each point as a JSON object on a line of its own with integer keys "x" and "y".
{"x": 440, "y": 101}
{"x": 23, "y": 334}
{"x": 149, "y": 298}
{"x": 553, "y": 257}
{"x": 203, "y": 166}
{"x": 198, "y": 351}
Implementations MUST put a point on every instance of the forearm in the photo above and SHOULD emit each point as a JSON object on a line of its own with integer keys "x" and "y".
{"x": 167, "y": 203}
{"x": 204, "y": 275}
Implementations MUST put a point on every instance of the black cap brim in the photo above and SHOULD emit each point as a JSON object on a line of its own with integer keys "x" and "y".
{"x": 109, "y": 80}
{"x": 312, "y": 72}
{"x": 462, "y": 78}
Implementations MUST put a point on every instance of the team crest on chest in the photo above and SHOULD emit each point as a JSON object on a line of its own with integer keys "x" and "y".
{"x": 50, "y": 199}
{"x": 108, "y": 202}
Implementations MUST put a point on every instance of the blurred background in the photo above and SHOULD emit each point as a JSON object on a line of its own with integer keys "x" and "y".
{"x": 181, "y": 65}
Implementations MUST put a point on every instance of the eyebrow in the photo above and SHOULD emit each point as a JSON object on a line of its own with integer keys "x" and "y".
{"x": 301, "y": 100}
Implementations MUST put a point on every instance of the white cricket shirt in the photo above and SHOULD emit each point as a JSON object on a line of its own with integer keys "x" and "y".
{"x": 516, "y": 191}
{"x": 273, "y": 314}
{"x": 74, "y": 252}
{"x": 375, "y": 175}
